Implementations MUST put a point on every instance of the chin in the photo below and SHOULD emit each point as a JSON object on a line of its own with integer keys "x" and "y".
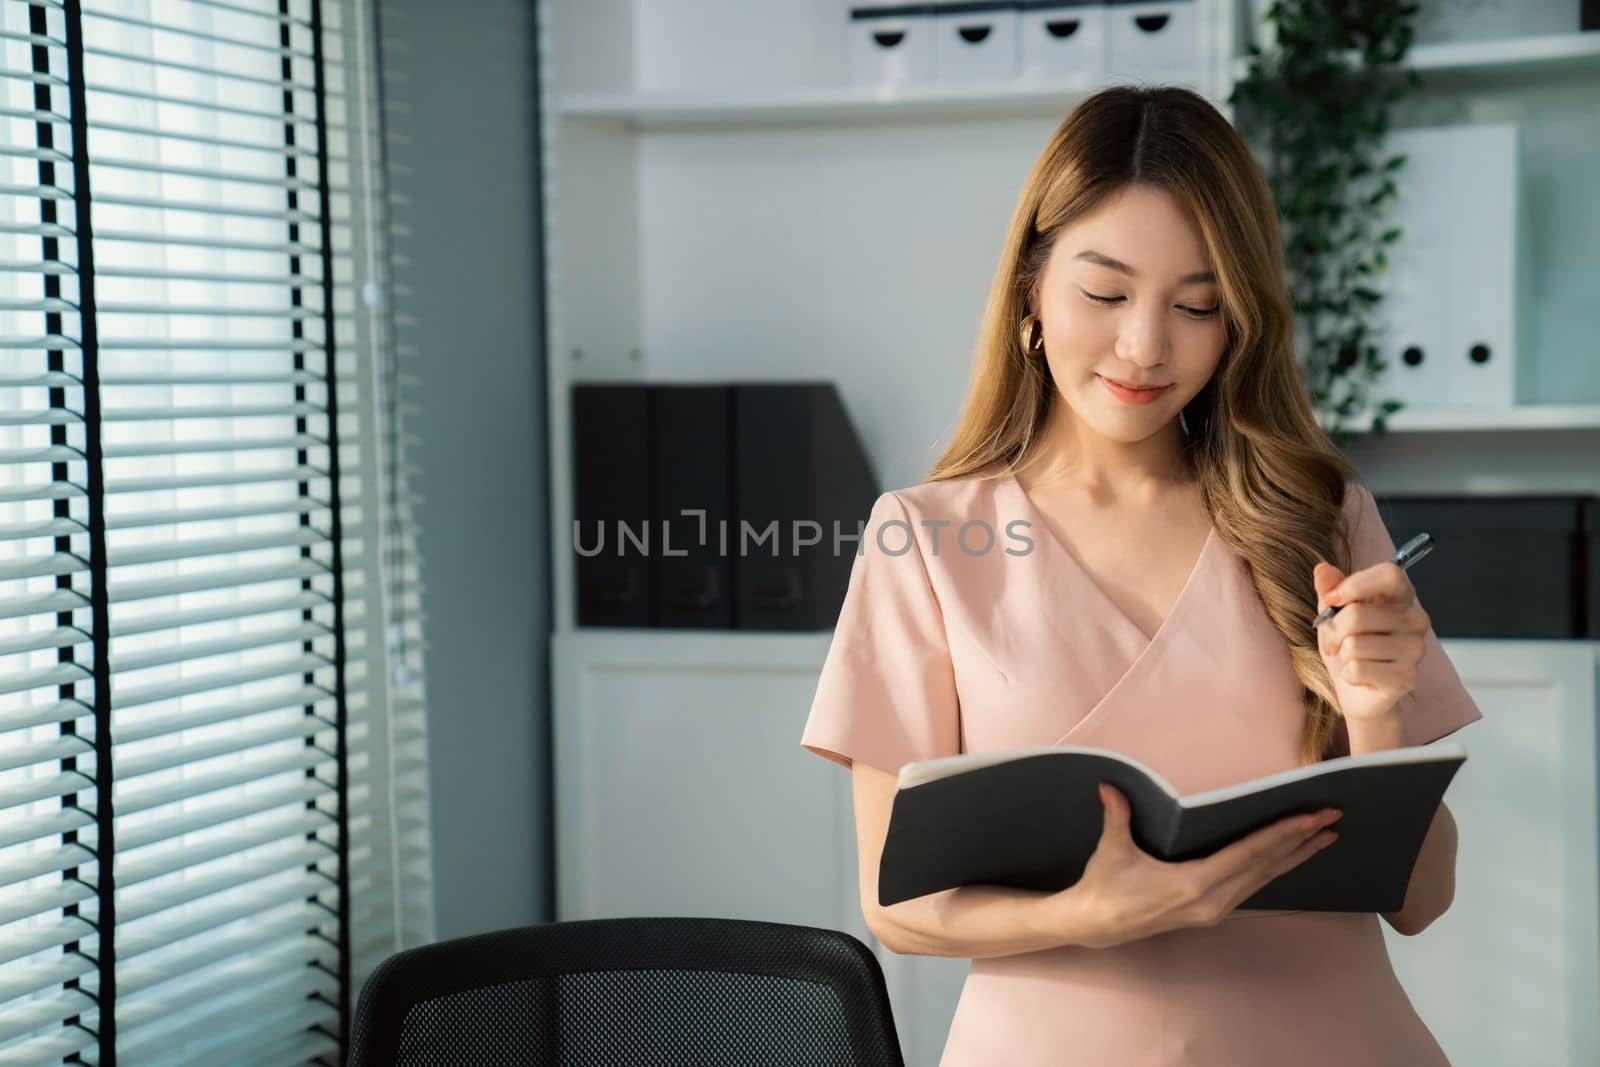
{"x": 1126, "y": 427}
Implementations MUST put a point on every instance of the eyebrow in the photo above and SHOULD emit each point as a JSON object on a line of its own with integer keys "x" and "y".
{"x": 1117, "y": 264}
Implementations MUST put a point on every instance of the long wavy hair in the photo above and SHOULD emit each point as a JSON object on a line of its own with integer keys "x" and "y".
{"x": 1271, "y": 478}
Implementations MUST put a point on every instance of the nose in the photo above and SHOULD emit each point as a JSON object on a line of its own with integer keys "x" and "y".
{"x": 1142, "y": 340}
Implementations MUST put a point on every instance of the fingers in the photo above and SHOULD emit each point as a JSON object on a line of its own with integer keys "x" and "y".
{"x": 1308, "y": 848}
{"x": 1118, "y": 815}
{"x": 1241, "y": 887}
{"x": 1312, "y": 845}
{"x": 1263, "y": 846}
{"x": 1381, "y": 648}
{"x": 1117, "y": 811}
{"x": 1324, "y": 577}
{"x": 1369, "y": 618}
{"x": 1396, "y": 678}
{"x": 1380, "y": 582}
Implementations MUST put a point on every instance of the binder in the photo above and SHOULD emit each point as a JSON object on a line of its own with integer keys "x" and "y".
{"x": 1449, "y": 310}
{"x": 777, "y": 470}
{"x": 797, "y": 460}
{"x": 1481, "y": 279}
{"x": 1591, "y": 564}
{"x": 610, "y": 449}
{"x": 691, "y": 440}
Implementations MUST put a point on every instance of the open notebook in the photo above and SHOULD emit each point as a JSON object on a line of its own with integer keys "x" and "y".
{"x": 1030, "y": 818}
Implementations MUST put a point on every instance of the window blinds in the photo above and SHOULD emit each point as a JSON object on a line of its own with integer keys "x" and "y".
{"x": 212, "y": 753}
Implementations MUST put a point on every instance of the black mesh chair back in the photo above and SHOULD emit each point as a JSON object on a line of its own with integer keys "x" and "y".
{"x": 631, "y": 992}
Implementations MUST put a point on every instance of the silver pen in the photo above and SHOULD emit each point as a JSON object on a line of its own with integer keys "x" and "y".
{"x": 1404, "y": 557}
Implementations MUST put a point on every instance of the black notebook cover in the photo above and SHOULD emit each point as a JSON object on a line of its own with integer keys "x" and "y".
{"x": 1031, "y": 818}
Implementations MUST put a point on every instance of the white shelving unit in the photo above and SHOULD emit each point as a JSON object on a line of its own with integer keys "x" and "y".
{"x": 1527, "y": 80}
{"x": 829, "y": 104}
{"x": 1538, "y": 56}
{"x": 1550, "y": 54}
{"x": 1544, "y": 54}
{"x": 1480, "y": 420}
{"x": 721, "y": 203}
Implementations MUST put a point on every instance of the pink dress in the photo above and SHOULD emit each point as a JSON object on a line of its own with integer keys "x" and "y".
{"x": 946, "y": 648}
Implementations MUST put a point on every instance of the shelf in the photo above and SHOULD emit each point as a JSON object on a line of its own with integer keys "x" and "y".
{"x": 1467, "y": 420}
{"x": 1013, "y": 96}
{"x": 1534, "y": 55}
{"x": 842, "y": 103}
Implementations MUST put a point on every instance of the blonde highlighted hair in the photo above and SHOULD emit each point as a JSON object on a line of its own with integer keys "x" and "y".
{"x": 1271, "y": 478}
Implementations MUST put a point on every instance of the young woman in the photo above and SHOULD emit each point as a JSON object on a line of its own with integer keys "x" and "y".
{"x": 1124, "y": 546}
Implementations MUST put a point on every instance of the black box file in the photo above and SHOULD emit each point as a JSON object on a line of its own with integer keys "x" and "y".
{"x": 797, "y": 460}
{"x": 1504, "y": 566}
{"x": 1591, "y": 564}
{"x": 610, "y": 455}
{"x": 767, "y": 473}
{"x": 691, "y": 440}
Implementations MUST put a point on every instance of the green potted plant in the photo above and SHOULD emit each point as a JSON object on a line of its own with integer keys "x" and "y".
{"x": 1315, "y": 105}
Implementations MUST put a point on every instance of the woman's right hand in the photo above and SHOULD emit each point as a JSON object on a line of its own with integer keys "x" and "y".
{"x": 1130, "y": 894}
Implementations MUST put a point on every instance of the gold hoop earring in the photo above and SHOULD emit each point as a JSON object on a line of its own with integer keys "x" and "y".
{"x": 1032, "y": 335}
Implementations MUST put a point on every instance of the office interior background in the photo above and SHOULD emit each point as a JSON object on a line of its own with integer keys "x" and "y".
{"x": 294, "y": 667}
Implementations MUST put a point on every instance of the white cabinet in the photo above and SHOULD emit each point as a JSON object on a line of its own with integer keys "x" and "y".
{"x": 1511, "y": 973}
{"x": 681, "y": 787}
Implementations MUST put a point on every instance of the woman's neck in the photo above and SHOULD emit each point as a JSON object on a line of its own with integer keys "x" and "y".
{"x": 1072, "y": 454}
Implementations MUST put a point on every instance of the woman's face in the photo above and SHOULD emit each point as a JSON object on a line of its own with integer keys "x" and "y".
{"x": 1128, "y": 296}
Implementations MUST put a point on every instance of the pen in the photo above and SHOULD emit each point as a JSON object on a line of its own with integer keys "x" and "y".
{"x": 1404, "y": 557}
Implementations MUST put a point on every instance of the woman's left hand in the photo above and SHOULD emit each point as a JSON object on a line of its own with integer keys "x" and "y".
{"x": 1371, "y": 648}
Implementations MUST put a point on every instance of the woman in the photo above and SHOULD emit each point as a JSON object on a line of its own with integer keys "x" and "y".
{"x": 1124, "y": 546}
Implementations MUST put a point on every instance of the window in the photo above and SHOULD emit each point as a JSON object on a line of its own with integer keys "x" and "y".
{"x": 212, "y": 778}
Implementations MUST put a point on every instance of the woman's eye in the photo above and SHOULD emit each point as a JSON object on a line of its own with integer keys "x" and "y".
{"x": 1101, "y": 299}
{"x": 1199, "y": 313}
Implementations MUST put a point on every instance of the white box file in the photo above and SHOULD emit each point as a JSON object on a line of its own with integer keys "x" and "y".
{"x": 890, "y": 44}
{"x": 1155, "y": 41}
{"x": 1413, "y": 311}
{"x": 975, "y": 41}
{"x": 1449, "y": 310}
{"x": 1064, "y": 40}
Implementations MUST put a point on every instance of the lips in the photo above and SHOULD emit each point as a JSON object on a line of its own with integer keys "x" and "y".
{"x": 1130, "y": 385}
{"x": 1131, "y": 394}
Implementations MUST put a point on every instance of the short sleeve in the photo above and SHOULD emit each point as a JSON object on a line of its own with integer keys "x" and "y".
{"x": 1439, "y": 705}
{"x": 887, "y": 691}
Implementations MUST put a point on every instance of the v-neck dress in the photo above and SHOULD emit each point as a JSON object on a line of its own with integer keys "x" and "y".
{"x": 967, "y": 626}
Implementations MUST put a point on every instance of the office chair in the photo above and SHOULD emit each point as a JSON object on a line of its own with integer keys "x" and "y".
{"x": 630, "y": 992}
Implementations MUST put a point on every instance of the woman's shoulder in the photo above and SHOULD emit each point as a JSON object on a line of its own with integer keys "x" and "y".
{"x": 1358, "y": 501}
{"x": 954, "y": 497}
